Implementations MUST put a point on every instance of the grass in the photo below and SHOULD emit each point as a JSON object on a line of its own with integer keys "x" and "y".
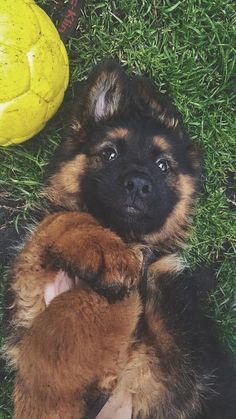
{"x": 187, "y": 48}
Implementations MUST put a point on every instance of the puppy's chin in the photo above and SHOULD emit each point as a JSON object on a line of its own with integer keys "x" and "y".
{"x": 129, "y": 222}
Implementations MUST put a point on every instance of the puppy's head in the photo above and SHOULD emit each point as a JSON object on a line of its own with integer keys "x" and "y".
{"x": 126, "y": 160}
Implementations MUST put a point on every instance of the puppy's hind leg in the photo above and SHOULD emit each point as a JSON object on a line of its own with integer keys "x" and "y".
{"x": 75, "y": 350}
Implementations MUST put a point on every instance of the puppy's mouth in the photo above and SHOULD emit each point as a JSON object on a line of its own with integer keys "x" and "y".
{"x": 132, "y": 210}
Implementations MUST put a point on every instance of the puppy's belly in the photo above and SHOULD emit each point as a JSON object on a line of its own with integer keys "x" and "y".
{"x": 119, "y": 406}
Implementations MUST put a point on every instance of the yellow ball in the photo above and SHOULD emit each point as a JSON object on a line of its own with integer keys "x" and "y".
{"x": 34, "y": 70}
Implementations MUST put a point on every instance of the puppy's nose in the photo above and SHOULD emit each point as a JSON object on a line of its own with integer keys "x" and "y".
{"x": 138, "y": 185}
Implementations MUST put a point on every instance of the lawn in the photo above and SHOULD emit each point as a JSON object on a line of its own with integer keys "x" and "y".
{"x": 187, "y": 47}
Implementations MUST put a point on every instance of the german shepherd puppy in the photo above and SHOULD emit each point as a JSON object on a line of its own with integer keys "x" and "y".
{"x": 102, "y": 307}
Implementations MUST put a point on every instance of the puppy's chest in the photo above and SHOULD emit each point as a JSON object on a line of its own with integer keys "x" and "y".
{"x": 141, "y": 386}
{"x": 138, "y": 388}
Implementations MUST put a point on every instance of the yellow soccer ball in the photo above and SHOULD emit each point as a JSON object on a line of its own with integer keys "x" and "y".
{"x": 34, "y": 70}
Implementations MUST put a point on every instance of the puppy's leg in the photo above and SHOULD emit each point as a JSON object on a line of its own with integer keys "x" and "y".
{"x": 74, "y": 351}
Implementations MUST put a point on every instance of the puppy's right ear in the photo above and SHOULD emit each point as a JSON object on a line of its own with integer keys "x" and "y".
{"x": 103, "y": 95}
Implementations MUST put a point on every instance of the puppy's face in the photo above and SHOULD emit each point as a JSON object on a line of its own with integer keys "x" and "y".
{"x": 127, "y": 160}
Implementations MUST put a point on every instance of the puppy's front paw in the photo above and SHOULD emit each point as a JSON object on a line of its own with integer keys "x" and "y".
{"x": 76, "y": 244}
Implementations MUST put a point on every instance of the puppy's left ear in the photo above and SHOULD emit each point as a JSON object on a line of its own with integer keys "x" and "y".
{"x": 154, "y": 104}
{"x": 104, "y": 93}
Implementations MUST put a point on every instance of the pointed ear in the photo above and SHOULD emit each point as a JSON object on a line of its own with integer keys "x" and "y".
{"x": 104, "y": 93}
{"x": 154, "y": 104}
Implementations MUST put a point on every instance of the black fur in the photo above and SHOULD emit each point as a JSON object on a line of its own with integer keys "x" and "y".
{"x": 200, "y": 363}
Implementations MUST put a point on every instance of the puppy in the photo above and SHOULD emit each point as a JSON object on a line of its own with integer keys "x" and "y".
{"x": 101, "y": 305}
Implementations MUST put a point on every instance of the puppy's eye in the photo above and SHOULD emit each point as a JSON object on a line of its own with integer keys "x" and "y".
{"x": 109, "y": 154}
{"x": 163, "y": 165}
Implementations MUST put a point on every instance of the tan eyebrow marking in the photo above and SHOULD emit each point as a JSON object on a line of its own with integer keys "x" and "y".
{"x": 161, "y": 143}
{"x": 118, "y": 133}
